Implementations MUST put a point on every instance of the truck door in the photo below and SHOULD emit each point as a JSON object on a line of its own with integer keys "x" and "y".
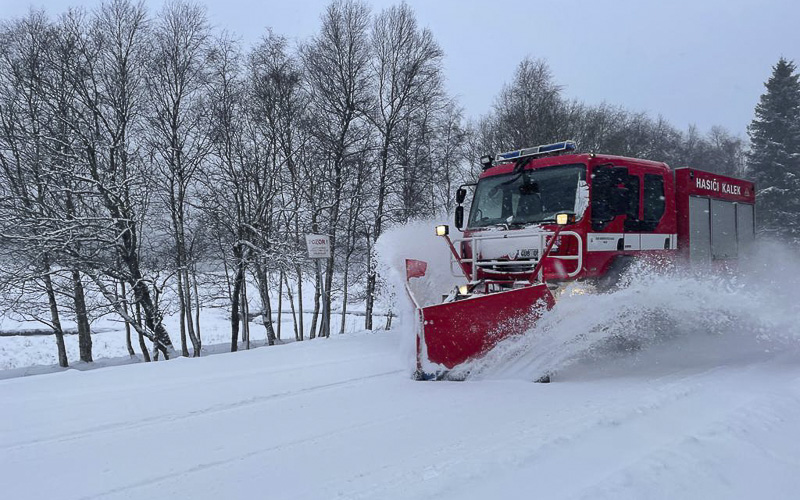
{"x": 637, "y": 195}
{"x": 653, "y": 210}
{"x": 644, "y": 212}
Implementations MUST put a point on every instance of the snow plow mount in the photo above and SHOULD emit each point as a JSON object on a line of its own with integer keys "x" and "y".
{"x": 478, "y": 245}
{"x": 475, "y": 317}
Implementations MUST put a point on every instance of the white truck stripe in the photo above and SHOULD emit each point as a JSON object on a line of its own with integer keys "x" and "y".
{"x": 609, "y": 242}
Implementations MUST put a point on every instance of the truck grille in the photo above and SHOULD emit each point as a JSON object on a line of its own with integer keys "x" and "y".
{"x": 507, "y": 266}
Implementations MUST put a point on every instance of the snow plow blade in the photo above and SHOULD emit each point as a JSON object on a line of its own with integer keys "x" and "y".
{"x": 455, "y": 332}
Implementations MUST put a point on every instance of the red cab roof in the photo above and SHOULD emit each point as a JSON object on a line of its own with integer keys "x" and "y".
{"x": 585, "y": 158}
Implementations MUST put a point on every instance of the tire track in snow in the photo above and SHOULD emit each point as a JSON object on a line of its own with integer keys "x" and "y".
{"x": 211, "y": 410}
{"x": 601, "y": 445}
{"x": 155, "y": 481}
{"x": 754, "y": 418}
{"x": 196, "y": 379}
{"x": 464, "y": 461}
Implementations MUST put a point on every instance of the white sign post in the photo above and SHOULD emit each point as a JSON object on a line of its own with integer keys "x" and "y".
{"x": 319, "y": 247}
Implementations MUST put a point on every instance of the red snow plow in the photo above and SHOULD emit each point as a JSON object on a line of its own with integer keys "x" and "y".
{"x": 542, "y": 217}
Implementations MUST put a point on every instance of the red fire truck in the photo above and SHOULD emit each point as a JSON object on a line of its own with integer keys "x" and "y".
{"x": 545, "y": 215}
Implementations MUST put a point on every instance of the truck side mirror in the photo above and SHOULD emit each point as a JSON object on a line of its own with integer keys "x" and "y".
{"x": 459, "y": 217}
{"x": 461, "y": 195}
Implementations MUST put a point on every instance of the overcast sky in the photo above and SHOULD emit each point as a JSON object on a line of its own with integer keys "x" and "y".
{"x": 699, "y": 62}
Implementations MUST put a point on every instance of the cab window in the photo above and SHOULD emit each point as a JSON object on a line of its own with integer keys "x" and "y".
{"x": 614, "y": 192}
{"x": 654, "y": 201}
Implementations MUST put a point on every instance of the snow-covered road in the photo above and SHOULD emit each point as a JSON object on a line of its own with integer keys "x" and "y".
{"x": 340, "y": 418}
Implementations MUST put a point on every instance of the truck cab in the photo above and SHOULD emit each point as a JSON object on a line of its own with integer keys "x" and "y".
{"x": 619, "y": 207}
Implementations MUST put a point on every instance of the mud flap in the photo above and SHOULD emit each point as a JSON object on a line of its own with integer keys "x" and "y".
{"x": 455, "y": 332}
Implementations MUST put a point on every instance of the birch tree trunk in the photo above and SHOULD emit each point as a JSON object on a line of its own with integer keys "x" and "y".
{"x": 84, "y": 332}
{"x": 55, "y": 319}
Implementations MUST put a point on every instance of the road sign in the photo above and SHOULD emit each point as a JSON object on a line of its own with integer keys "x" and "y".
{"x": 319, "y": 246}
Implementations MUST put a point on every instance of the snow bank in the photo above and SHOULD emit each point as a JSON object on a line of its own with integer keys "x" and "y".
{"x": 26, "y": 355}
{"x": 662, "y": 320}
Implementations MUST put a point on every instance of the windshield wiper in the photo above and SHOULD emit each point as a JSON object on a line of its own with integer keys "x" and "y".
{"x": 496, "y": 188}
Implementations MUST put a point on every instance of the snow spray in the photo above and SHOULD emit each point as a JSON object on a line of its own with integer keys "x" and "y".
{"x": 660, "y": 320}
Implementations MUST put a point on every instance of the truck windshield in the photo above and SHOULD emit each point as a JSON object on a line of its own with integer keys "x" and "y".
{"x": 526, "y": 197}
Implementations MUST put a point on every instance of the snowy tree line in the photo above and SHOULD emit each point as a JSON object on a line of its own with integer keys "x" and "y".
{"x": 140, "y": 152}
{"x": 532, "y": 110}
{"x": 150, "y": 165}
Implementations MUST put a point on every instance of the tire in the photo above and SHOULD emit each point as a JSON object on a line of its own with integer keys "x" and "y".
{"x": 610, "y": 281}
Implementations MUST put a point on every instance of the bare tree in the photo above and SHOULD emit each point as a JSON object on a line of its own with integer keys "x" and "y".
{"x": 178, "y": 121}
{"x": 25, "y": 185}
{"x": 241, "y": 187}
{"x": 279, "y": 114}
{"x": 405, "y": 68}
{"x": 109, "y": 87}
{"x": 527, "y": 110}
{"x": 336, "y": 64}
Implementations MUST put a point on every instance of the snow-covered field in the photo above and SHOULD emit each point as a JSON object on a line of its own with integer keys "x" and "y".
{"x": 24, "y": 355}
{"x": 675, "y": 387}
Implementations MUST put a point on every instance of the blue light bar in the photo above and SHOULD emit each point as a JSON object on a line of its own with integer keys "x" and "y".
{"x": 510, "y": 156}
{"x": 558, "y": 147}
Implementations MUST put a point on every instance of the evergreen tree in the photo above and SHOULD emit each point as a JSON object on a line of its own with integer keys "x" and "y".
{"x": 774, "y": 159}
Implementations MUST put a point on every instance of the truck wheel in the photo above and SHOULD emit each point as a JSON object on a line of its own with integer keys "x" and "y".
{"x": 611, "y": 279}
